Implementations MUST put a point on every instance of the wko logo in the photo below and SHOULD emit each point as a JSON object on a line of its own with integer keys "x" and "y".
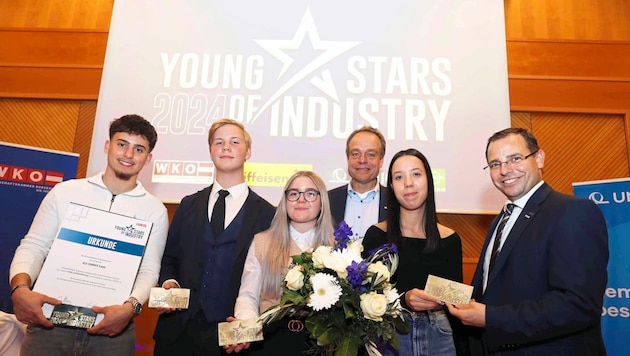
{"x": 169, "y": 171}
{"x": 30, "y": 175}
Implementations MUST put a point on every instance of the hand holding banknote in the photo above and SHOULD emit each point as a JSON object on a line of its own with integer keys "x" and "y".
{"x": 165, "y": 309}
{"x": 418, "y": 299}
{"x": 235, "y": 347}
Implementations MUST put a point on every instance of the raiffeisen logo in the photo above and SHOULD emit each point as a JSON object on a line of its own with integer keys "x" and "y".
{"x": 307, "y": 85}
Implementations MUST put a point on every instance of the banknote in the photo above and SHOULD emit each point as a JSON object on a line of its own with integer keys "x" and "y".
{"x": 240, "y": 331}
{"x": 169, "y": 298}
{"x": 448, "y": 291}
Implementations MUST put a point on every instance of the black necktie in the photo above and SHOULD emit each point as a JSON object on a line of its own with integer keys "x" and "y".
{"x": 217, "y": 221}
{"x": 507, "y": 211}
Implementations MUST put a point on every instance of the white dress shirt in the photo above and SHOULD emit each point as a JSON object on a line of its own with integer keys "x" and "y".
{"x": 233, "y": 202}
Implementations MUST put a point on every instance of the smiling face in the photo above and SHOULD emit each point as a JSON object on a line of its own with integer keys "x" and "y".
{"x": 515, "y": 180}
{"x": 228, "y": 149}
{"x": 364, "y": 161}
{"x": 303, "y": 214}
{"x": 409, "y": 182}
{"x": 126, "y": 155}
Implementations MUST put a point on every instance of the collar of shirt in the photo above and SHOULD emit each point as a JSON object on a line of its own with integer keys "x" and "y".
{"x": 233, "y": 202}
{"x": 304, "y": 240}
{"x": 363, "y": 197}
{"x": 235, "y": 191}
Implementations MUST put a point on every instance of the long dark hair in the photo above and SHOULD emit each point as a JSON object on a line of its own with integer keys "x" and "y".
{"x": 394, "y": 235}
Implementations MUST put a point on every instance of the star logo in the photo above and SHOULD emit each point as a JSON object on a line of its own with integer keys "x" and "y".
{"x": 327, "y": 51}
{"x": 73, "y": 315}
{"x": 129, "y": 230}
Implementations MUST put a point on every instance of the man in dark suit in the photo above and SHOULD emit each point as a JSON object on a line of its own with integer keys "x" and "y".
{"x": 206, "y": 250}
{"x": 540, "y": 290}
{"x": 363, "y": 202}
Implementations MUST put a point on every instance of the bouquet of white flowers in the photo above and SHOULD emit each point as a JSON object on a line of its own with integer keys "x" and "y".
{"x": 348, "y": 301}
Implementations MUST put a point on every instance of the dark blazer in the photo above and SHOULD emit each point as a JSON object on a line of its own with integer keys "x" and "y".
{"x": 184, "y": 252}
{"x": 338, "y": 196}
{"x": 545, "y": 293}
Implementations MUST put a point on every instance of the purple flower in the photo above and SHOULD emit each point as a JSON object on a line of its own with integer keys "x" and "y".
{"x": 342, "y": 235}
{"x": 356, "y": 274}
{"x": 383, "y": 251}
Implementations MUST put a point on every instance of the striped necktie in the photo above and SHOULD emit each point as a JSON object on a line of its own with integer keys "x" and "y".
{"x": 507, "y": 211}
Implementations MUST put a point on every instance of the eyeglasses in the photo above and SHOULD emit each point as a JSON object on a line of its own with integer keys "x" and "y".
{"x": 310, "y": 195}
{"x": 512, "y": 161}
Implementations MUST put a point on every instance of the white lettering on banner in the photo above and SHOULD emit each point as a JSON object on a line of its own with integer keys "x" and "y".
{"x": 213, "y": 71}
{"x": 413, "y": 80}
{"x": 415, "y": 113}
{"x": 616, "y": 311}
{"x": 95, "y": 241}
{"x": 616, "y": 197}
{"x": 311, "y": 116}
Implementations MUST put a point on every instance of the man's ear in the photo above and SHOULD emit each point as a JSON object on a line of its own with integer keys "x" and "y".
{"x": 540, "y": 159}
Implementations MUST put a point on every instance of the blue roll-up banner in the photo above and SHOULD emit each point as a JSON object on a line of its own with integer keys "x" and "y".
{"x": 613, "y": 198}
{"x": 26, "y": 175}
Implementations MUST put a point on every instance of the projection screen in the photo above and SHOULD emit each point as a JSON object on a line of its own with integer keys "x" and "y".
{"x": 301, "y": 76}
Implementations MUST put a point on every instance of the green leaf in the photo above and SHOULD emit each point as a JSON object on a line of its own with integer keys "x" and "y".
{"x": 395, "y": 342}
{"x": 328, "y": 337}
{"x": 348, "y": 310}
{"x": 401, "y": 325}
{"x": 292, "y": 297}
{"x": 315, "y": 326}
{"x": 348, "y": 347}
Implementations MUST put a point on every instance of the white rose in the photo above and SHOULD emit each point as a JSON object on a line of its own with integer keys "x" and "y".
{"x": 320, "y": 254}
{"x": 336, "y": 262}
{"x": 355, "y": 247}
{"x": 380, "y": 269}
{"x": 374, "y": 305}
{"x": 295, "y": 278}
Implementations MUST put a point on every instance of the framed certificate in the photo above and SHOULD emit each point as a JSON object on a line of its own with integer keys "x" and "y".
{"x": 93, "y": 260}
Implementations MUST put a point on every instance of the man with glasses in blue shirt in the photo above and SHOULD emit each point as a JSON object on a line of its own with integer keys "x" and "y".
{"x": 540, "y": 280}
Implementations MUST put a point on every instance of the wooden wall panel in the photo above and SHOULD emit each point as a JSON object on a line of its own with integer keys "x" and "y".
{"x": 52, "y": 48}
{"x": 76, "y": 14}
{"x": 83, "y": 135}
{"x": 587, "y": 60}
{"x": 581, "y": 147}
{"x": 49, "y": 83}
{"x": 568, "y": 19}
{"x": 557, "y": 95}
{"x": 42, "y": 123}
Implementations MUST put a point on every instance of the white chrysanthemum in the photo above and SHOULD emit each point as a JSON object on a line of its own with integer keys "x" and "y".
{"x": 326, "y": 292}
{"x": 393, "y": 300}
{"x": 320, "y": 254}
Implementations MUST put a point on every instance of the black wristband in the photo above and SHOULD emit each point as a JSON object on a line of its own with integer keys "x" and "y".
{"x": 21, "y": 285}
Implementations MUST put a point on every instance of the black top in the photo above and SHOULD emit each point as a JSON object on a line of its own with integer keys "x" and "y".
{"x": 414, "y": 265}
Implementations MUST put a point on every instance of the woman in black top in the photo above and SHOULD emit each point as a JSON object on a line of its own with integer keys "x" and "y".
{"x": 424, "y": 247}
